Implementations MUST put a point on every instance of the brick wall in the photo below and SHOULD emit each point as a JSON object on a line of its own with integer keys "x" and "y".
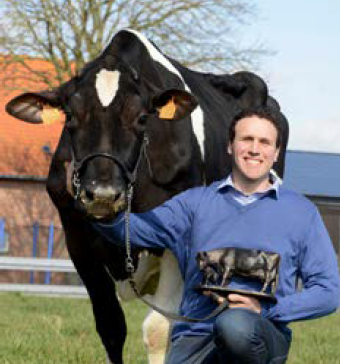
{"x": 22, "y": 203}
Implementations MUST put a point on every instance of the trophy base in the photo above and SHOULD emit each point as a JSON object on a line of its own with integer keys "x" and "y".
{"x": 224, "y": 291}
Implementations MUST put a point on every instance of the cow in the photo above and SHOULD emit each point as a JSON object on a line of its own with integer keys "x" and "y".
{"x": 135, "y": 116}
{"x": 219, "y": 266}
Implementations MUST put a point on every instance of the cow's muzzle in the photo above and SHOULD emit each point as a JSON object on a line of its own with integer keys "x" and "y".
{"x": 104, "y": 202}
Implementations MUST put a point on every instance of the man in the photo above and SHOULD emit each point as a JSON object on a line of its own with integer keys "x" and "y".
{"x": 250, "y": 209}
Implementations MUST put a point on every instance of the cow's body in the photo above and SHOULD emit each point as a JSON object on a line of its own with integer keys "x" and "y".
{"x": 105, "y": 105}
{"x": 219, "y": 266}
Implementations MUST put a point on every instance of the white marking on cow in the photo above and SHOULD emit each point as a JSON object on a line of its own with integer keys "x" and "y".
{"x": 168, "y": 296}
{"x": 197, "y": 115}
{"x": 107, "y": 83}
{"x": 148, "y": 266}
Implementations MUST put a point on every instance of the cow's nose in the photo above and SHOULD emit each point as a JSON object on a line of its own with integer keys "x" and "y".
{"x": 107, "y": 193}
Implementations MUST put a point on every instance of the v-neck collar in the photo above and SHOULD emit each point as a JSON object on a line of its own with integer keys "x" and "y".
{"x": 243, "y": 207}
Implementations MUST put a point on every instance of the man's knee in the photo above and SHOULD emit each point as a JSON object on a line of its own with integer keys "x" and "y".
{"x": 234, "y": 330}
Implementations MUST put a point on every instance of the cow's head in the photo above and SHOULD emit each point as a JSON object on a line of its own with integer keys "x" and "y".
{"x": 106, "y": 110}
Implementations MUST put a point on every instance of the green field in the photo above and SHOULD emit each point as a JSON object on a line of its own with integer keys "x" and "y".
{"x": 42, "y": 330}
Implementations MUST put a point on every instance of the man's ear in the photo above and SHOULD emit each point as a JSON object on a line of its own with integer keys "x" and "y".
{"x": 36, "y": 108}
{"x": 174, "y": 104}
{"x": 229, "y": 149}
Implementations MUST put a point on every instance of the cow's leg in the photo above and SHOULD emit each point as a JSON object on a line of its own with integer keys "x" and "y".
{"x": 267, "y": 278}
{"x": 227, "y": 274}
{"x": 156, "y": 328}
{"x": 272, "y": 282}
{"x": 265, "y": 285}
{"x": 108, "y": 314}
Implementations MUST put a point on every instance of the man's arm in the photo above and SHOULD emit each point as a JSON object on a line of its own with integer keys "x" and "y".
{"x": 320, "y": 276}
{"x": 163, "y": 227}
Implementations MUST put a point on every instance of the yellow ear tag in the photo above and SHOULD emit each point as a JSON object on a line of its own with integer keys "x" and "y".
{"x": 168, "y": 110}
{"x": 50, "y": 115}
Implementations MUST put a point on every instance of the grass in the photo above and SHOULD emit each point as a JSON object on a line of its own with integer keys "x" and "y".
{"x": 50, "y": 330}
{"x": 43, "y": 330}
{"x": 316, "y": 341}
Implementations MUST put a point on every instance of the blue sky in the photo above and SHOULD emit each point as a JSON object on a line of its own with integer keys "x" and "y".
{"x": 304, "y": 72}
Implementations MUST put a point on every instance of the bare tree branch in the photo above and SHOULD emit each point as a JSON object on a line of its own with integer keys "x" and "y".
{"x": 66, "y": 33}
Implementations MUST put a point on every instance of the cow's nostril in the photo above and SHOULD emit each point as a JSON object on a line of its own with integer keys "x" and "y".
{"x": 116, "y": 196}
{"x": 108, "y": 194}
{"x": 89, "y": 195}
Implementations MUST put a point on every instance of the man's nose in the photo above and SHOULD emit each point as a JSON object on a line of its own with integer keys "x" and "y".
{"x": 254, "y": 147}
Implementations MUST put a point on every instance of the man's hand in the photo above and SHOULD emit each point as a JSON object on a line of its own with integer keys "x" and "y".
{"x": 237, "y": 300}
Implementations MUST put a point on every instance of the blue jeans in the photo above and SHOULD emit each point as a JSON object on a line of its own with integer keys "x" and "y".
{"x": 240, "y": 336}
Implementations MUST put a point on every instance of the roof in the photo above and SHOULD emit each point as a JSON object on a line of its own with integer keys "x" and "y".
{"x": 313, "y": 173}
{"x": 25, "y": 149}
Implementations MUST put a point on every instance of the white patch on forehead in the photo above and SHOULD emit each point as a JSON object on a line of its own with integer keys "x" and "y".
{"x": 197, "y": 115}
{"x": 107, "y": 83}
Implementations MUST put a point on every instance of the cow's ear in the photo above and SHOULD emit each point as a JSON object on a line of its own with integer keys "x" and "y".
{"x": 36, "y": 108}
{"x": 226, "y": 83}
{"x": 255, "y": 92}
{"x": 174, "y": 104}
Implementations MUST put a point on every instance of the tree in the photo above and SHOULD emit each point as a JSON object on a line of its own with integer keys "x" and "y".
{"x": 66, "y": 33}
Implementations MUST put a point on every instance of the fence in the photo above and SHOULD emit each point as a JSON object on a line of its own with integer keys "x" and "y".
{"x": 45, "y": 265}
{"x": 34, "y": 264}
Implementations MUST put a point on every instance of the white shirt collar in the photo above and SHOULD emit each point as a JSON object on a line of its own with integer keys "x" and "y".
{"x": 276, "y": 182}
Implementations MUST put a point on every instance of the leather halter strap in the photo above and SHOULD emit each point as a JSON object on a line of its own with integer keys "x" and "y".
{"x": 79, "y": 165}
{"x": 174, "y": 316}
{"x": 130, "y": 176}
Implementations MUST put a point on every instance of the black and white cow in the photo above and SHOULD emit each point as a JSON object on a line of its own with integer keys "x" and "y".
{"x": 131, "y": 90}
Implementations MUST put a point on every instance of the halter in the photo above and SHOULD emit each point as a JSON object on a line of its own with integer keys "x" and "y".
{"x": 129, "y": 176}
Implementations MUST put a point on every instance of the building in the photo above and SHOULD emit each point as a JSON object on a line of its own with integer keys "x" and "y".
{"x": 25, "y": 155}
{"x": 317, "y": 176}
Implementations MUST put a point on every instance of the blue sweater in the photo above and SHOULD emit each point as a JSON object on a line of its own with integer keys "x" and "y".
{"x": 207, "y": 218}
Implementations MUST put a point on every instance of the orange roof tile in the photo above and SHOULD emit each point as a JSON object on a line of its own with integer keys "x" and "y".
{"x": 24, "y": 147}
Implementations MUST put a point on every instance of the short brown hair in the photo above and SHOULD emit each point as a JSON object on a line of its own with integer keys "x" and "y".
{"x": 263, "y": 112}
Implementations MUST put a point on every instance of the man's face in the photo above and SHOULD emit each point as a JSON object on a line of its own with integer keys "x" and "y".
{"x": 254, "y": 149}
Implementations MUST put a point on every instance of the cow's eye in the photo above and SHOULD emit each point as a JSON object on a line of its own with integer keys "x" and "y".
{"x": 70, "y": 119}
{"x": 67, "y": 112}
{"x": 143, "y": 119}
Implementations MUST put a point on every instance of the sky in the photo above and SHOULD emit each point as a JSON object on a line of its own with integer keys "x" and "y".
{"x": 304, "y": 72}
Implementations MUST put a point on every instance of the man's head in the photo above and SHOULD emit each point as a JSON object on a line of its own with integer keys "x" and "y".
{"x": 255, "y": 136}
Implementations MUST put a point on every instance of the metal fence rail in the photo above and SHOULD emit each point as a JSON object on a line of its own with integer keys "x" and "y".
{"x": 42, "y": 265}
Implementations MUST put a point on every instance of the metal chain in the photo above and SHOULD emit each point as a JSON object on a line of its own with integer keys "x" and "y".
{"x": 76, "y": 184}
{"x": 128, "y": 262}
{"x": 148, "y": 163}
